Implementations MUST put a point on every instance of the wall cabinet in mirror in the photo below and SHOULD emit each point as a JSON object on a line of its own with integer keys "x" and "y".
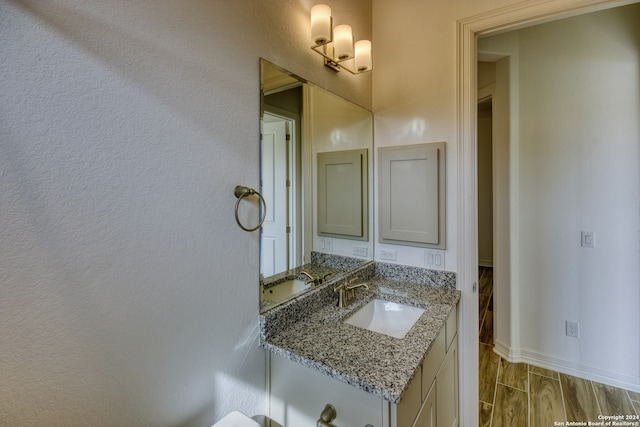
{"x": 342, "y": 194}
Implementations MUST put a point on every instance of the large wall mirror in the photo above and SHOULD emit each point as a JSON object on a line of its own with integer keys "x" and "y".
{"x": 316, "y": 153}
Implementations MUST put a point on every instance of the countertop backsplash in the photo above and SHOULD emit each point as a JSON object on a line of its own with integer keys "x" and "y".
{"x": 418, "y": 275}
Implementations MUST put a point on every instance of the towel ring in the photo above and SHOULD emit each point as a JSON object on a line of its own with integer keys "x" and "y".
{"x": 241, "y": 192}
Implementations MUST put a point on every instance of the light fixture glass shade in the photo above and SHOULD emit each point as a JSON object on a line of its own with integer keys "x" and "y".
{"x": 320, "y": 24}
{"x": 363, "y": 61}
{"x": 343, "y": 42}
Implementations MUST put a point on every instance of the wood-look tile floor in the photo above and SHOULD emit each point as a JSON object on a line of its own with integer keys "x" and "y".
{"x": 521, "y": 395}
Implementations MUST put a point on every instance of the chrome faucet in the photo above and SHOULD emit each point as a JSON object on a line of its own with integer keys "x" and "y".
{"x": 347, "y": 291}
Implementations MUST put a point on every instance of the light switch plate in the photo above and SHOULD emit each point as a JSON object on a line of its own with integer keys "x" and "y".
{"x": 434, "y": 259}
{"x": 572, "y": 329}
{"x": 588, "y": 239}
{"x": 325, "y": 244}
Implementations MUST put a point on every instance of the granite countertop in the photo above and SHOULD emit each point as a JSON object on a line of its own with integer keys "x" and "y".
{"x": 373, "y": 362}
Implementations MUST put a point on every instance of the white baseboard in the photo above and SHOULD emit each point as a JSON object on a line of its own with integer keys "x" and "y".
{"x": 506, "y": 352}
{"x": 604, "y": 376}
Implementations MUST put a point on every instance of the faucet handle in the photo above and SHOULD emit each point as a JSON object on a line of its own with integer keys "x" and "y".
{"x": 312, "y": 280}
{"x": 352, "y": 286}
{"x": 324, "y": 277}
{"x": 347, "y": 291}
{"x": 341, "y": 291}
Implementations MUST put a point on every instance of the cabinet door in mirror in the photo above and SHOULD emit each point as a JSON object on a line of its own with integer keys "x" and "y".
{"x": 342, "y": 194}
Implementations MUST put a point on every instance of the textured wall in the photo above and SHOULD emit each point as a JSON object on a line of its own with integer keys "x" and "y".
{"x": 128, "y": 293}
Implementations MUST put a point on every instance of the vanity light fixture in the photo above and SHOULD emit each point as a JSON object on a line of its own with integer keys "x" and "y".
{"x": 336, "y": 44}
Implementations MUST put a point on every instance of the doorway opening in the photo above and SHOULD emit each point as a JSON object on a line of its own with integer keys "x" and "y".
{"x": 485, "y": 214}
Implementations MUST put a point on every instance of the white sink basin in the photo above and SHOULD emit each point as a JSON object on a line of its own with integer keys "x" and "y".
{"x": 284, "y": 291}
{"x": 386, "y": 317}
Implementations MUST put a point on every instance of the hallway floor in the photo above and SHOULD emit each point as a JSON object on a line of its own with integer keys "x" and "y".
{"x": 521, "y": 395}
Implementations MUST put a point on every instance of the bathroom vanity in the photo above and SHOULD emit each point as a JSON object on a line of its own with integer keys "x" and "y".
{"x": 374, "y": 363}
{"x": 317, "y": 358}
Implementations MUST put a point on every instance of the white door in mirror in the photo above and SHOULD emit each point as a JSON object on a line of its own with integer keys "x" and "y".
{"x": 274, "y": 244}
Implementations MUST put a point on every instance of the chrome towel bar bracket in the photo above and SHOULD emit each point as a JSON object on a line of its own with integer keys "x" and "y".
{"x": 241, "y": 192}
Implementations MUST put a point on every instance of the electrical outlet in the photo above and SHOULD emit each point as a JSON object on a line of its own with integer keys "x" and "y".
{"x": 573, "y": 329}
{"x": 388, "y": 254}
{"x": 360, "y": 251}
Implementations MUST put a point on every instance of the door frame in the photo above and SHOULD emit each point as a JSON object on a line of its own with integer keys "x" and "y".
{"x": 512, "y": 17}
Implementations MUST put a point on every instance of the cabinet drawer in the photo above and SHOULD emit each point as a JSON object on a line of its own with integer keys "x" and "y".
{"x": 451, "y": 327}
{"x": 432, "y": 362}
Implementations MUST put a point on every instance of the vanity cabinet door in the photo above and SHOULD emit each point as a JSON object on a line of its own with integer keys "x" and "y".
{"x": 432, "y": 362}
{"x": 447, "y": 388}
{"x": 437, "y": 379}
{"x": 404, "y": 413}
{"x": 427, "y": 415}
{"x": 297, "y": 396}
